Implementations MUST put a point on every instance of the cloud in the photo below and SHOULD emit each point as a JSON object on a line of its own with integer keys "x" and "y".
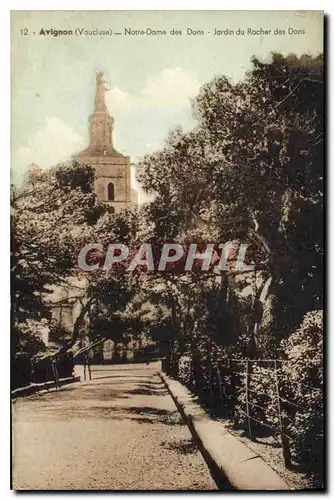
{"x": 144, "y": 119}
{"x": 53, "y": 143}
{"x": 171, "y": 88}
{"x": 142, "y": 123}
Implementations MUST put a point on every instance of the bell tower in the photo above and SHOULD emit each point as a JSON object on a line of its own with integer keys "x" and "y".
{"x": 112, "y": 169}
{"x": 100, "y": 122}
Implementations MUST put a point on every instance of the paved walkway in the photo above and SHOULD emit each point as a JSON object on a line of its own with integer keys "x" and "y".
{"x": 121, "y": 431}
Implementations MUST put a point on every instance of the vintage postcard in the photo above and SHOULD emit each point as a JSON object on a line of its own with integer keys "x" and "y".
{"x": 167, "y": 250}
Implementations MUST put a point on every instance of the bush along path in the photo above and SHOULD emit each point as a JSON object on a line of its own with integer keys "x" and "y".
{"x": 273, "y": 405}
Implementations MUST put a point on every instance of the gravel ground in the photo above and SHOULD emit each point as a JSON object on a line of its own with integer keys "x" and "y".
{"x": 120, "y": 431}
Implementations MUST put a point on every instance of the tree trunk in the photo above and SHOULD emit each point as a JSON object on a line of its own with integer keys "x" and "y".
{"x": 79, "y": 321}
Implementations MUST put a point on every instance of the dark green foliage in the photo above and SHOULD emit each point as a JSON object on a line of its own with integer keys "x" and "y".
{"x": 51, "y": 219}
{"x": 303, "y": 379}
{"x": 252, "y": 172}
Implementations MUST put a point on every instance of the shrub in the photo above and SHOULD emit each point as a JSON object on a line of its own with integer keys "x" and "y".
{"x": 302, "y": 383}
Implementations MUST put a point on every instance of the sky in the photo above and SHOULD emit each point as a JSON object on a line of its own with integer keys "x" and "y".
{"x": 151, "y": 78}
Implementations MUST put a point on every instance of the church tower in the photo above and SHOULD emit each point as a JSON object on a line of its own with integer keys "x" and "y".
{"x": 112, "y": 169}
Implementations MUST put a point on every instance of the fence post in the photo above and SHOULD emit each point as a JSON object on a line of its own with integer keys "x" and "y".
{"x": 219, "y": 382}
{"x": 210, "y": 382}
{"x": 284, "y": 439}
{"x": 247, "y": 400}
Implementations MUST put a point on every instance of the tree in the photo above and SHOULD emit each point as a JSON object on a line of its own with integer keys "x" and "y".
{"x": 51, "y": 218}
{"x": 251, "y": 171}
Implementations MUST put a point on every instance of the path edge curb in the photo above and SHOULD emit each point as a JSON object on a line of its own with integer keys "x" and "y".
{"x": 250, "y": 473}
{"x": 34, "y": 388}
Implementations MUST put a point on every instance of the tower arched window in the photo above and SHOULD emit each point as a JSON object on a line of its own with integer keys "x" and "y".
{"x": 111, "y": 192}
